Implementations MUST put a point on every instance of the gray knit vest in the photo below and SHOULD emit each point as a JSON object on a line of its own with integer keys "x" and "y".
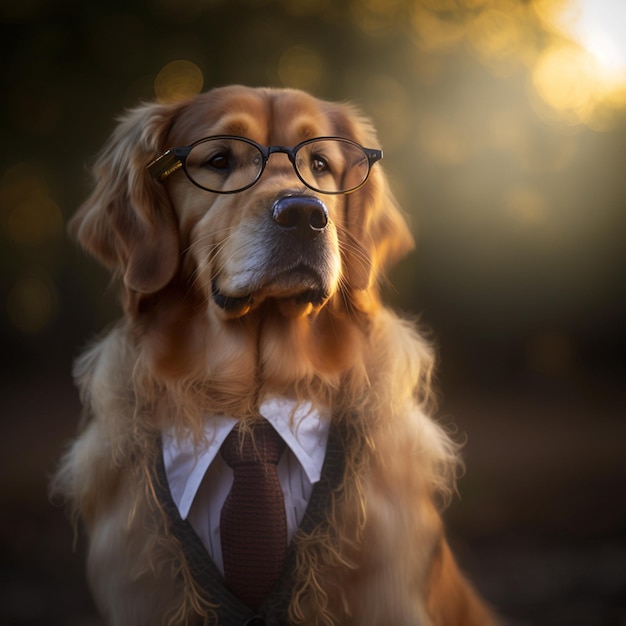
{"x": 231, "y": 611}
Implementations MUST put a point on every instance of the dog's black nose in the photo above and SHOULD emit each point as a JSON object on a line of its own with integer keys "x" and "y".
{"x": 305, "y": 215}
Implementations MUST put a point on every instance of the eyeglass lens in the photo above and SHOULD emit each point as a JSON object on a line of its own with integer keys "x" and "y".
{"x": 332, "y": 165}
{"x": 228, "y": 165}
{"x": 224, "y": 165}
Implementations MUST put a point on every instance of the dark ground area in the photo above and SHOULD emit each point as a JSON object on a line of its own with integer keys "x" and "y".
{"x": 540, "y": 524}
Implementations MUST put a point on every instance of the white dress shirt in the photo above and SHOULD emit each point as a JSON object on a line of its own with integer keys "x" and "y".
{"x": 199, "y": 479}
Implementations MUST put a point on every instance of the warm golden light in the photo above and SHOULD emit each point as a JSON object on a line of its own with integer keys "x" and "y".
{"x": 434, "y": 33}
{"x": 582, "y": 76}
{"x": 390, "y": 108}
{"x": 300, "y": 67}
{"x": 526, "y": 205}
{"x": 564, "y": 77}
{"x": 178, "y": 80}
{"x": 497, "y": 33}
{"x": 375, "y": 17}
{"x": 601, "y": 29}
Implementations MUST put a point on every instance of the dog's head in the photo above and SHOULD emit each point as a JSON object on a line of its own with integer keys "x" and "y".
{"x": 247, "y": 228}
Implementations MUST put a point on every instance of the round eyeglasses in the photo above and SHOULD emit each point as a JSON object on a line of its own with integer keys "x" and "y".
{"x": 229, "y": 164}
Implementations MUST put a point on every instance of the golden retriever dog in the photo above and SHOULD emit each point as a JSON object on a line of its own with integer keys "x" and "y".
{"x": 249, "y": 230}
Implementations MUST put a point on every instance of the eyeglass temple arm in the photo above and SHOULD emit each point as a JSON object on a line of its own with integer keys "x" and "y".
{"x": 373, "y": 155}
{"x": 164, "y": 165}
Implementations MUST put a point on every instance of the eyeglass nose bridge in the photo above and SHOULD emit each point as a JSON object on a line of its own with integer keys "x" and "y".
{"x": 291, "y": 155}
{"x": 290, "y": 152}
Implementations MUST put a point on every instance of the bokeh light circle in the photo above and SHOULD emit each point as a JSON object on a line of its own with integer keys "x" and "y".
{"x": 178, "y": 80}
{"x": 300, "y": 67}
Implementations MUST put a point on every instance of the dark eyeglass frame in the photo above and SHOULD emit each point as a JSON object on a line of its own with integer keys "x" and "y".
{"x": 175, "y": 158}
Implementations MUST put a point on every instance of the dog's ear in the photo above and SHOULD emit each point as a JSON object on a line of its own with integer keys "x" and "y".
{"x": 375, "y": 230}
{"x": 127, "y": 222}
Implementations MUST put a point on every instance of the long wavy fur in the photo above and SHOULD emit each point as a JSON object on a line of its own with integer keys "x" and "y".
{"x": 173, "y": 360}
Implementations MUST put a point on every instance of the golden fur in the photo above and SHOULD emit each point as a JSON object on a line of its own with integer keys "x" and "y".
{"x": 177, "y": 356}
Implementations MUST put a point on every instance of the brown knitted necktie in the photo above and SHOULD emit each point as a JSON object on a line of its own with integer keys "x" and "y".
{"x": 252, "y": 525}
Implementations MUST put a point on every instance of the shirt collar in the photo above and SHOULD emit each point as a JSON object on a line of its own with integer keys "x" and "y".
{"x": 303, "y": 428}
{"x": 185, "y": 465}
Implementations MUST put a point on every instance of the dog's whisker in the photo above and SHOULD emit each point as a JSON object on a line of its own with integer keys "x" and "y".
{"x": 208, "y": 251}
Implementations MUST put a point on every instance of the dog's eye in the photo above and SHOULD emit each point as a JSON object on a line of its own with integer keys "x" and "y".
{"x": 220, "y": 161}
{"x": 319, "y": 164}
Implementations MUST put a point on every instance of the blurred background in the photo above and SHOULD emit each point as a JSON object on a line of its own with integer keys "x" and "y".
{"x": 504, "y": 129}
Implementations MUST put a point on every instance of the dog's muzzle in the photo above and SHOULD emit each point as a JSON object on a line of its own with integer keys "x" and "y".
{"x": 296, "y": 266}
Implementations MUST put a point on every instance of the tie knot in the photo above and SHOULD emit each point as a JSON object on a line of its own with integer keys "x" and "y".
{"x": 262, "y": 444}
